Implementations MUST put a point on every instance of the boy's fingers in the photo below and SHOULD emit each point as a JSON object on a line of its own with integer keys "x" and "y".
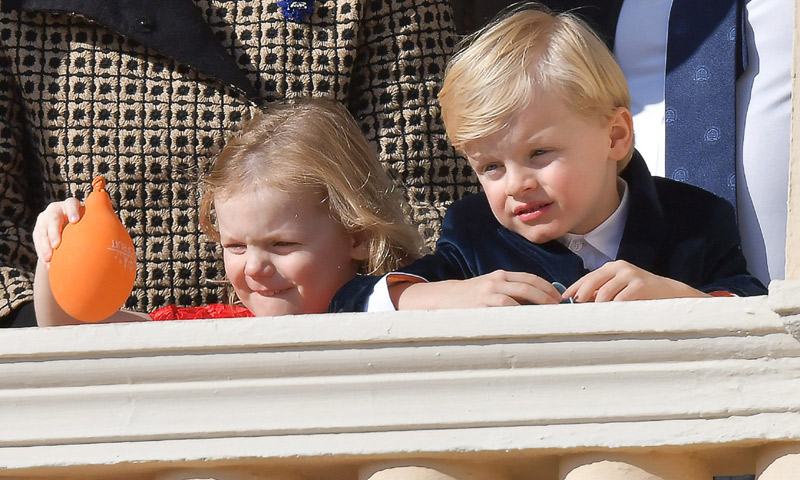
{"x": 587, "y": 283}
{"x": 538, "y": 293}
{"x": 545, "y": 298}
{"x": 584, "y": 290}
{"x": 609, "y": 290}
{"x": 570, "y": 291}
{"x": 543, "y": 286}
{"x": 525, "y": 287}
{"x": 589, "y": 278}
{"x": 501, "y": 300}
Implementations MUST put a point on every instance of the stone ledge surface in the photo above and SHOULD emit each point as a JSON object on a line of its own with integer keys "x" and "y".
{"x": 676, "y": 373}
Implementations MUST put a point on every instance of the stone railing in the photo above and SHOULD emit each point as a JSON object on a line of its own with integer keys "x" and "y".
{"x": 671, "y": 389}
{"x": 523, "y": 392}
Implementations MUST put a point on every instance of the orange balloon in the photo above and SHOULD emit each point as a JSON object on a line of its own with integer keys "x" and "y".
{"x": 93, "y": 268}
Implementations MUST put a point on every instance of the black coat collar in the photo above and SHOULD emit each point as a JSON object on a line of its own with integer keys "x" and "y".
{"x": 645, "y": 228}
{"x": 174, "y": 28}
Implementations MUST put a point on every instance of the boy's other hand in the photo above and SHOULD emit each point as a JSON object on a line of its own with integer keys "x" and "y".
{"x": 620, "y": 280}
{"x": 499, "y": 288}
{"x": 51, "y": 222}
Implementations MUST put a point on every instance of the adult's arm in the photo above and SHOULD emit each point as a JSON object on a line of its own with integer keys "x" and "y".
{"x": 20, "y": 199}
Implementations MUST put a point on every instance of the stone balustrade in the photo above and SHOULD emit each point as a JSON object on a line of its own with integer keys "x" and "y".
{"x": 679, "y": 389}
{"x": 685, "y": 389}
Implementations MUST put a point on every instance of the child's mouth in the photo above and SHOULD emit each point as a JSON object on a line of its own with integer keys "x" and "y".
{"x": 531, "y": 211}
{"x": 272, "y": 293}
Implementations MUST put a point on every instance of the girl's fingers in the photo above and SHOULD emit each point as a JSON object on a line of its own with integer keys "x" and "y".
{"x": 72, "y": 209}
{"x": 43, "y": 249}
{"x": 42, "y": 241}
{"x": 51, "y": 222}
{"x": 54, "y": 229}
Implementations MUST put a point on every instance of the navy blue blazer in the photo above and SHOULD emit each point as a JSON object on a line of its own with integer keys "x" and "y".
{"x": 673, "y": 229}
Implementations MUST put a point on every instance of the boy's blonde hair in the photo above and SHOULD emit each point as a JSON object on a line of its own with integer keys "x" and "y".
{"x": 525, "y": 52}
{"x": 312, "y": 146}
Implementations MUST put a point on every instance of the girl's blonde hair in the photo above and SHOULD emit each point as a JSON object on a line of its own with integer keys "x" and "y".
{"x": 528, "y": 51}
{"x": 312, "y": 146}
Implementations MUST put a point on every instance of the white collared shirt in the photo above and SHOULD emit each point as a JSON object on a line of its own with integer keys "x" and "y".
{"x": 601, "y": 244}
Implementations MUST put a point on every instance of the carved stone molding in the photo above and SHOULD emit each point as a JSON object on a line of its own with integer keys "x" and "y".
{"x": 784, "y": 299}
{"x": 651, "y": 374}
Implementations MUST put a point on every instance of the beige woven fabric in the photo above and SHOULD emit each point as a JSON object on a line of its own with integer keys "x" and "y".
{"x": 79, "y": 99}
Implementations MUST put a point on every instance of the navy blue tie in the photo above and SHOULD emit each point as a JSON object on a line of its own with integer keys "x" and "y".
{"x": 706, "y": 53}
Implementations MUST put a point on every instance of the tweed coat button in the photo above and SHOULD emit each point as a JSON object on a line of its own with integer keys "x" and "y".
{"x": 145, "y": 24}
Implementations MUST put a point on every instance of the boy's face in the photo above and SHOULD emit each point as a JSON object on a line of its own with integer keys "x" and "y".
{"x": 551, "y": 171}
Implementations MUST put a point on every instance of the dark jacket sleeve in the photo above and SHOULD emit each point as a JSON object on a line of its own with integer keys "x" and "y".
{"x": 446, "y": 263}
{"x": 353, "y": 295}
{"x": 683, "y": 232}
{"x": 725, "y": 267}
{"x": 701, "y": 245}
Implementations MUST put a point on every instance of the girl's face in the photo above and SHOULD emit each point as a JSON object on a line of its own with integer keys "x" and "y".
{"x": 283, "y": 253}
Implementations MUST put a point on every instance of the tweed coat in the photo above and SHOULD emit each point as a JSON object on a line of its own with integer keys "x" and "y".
{"x": 145, "y": 92}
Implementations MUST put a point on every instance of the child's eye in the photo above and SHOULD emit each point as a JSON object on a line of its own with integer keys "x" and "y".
{"x": 489, "y": 168}
{"x": 285, "y": 244}
{"x": 235, "y": 248}
{"x": 537, "y": 153}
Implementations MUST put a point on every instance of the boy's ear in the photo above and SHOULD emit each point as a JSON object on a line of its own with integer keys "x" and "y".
{"x": 620, "y": 134}
{"x": 359, "y": 248}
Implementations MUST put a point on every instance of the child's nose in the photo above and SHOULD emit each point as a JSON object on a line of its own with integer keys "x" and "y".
{"x": 259, "y": 265}
{"x": 519, "y": 180}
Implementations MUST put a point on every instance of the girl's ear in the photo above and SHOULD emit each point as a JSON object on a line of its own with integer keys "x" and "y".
{"x": 620, "y": 132}
{"x": 359, "y": 248}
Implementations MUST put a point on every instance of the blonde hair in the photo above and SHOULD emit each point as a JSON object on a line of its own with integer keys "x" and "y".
{"x": 314, "y": 146}
{"x": 525, "y": 52}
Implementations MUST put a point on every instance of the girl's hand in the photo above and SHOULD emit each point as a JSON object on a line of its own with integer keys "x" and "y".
{"x": 51, "y": 222}
{"x": 499, "y": 288}
{"x": 620, "y": 280}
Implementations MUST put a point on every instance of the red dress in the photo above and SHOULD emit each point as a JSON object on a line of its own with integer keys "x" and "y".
{"x": 214, "y": 310}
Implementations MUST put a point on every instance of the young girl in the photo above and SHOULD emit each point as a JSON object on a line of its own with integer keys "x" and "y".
{"x": 298, "y": 202}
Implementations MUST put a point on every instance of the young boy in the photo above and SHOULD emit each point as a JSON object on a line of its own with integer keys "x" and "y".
{"x": 539, "y": 107}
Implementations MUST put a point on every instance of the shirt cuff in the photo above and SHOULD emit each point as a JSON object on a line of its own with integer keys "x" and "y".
{"x": 380, "y": 300}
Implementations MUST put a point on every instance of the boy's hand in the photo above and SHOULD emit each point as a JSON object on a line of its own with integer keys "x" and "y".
{"x": 499, "y": 288}
{"x": 620, "y": 280}
{"x": 51, "y": 222}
